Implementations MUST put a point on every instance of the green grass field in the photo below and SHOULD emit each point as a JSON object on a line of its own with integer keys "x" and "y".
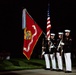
{"x": 20, "y": 64}
{"x": 23, "y": 63}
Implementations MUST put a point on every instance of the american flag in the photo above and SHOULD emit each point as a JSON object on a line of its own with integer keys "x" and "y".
{"x": 48, "y": 23}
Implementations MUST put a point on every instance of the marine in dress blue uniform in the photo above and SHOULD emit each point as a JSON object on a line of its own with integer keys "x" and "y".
{"x": 59, "y": 51}
{"x": 67, "y": 48}
{"x": 45, "y": 53}
{"x": 52, "y": 51}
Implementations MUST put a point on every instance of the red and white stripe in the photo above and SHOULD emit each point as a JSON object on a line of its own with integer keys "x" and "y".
{"x": 48, "y": 27}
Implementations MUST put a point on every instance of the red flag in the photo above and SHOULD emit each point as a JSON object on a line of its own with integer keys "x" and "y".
{"x": 48, "y": 23}
{"x": 32, "y": 33}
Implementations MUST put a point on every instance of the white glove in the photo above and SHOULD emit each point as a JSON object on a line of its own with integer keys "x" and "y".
{"x": 59, "y": 46}
{"x": 62, "y": 43}
{"x": 61, "y": 50}
{"x": 43, "y": 53}
{"x": 52, "y": 47}
{"x": 43, "y": 47}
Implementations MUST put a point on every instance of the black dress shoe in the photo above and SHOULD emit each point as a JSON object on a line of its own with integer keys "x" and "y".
{"x": 53, "y": 69}
{"x": 59, "y": 70}
{"x": 47, "y": 68}
{"x": 68, "y": 71}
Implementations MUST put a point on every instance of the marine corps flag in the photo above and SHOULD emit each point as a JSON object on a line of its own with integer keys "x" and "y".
{"x": 32, "y": 33}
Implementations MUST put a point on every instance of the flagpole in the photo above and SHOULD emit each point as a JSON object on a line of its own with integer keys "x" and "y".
{"x": 44, "y": 33}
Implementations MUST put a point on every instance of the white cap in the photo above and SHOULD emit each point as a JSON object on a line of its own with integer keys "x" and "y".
{"x": 60, "y": 33}
{"x": 52, "y": 34}
{"x": 67, "y": 30}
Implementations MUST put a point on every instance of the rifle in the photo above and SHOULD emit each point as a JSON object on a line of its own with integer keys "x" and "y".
{"x": 43, "y": 48}
{"x": 60, "y": 46}
{"x": 52, "y": 46}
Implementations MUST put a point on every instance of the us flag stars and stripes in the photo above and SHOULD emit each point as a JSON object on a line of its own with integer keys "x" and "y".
{"x": 48, "y": 23}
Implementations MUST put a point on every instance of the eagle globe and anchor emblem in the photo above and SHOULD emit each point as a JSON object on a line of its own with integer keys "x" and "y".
{"x": 29, "y": 36}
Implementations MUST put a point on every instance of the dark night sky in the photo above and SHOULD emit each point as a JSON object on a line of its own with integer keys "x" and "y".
{"x": 63, "y": 16}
